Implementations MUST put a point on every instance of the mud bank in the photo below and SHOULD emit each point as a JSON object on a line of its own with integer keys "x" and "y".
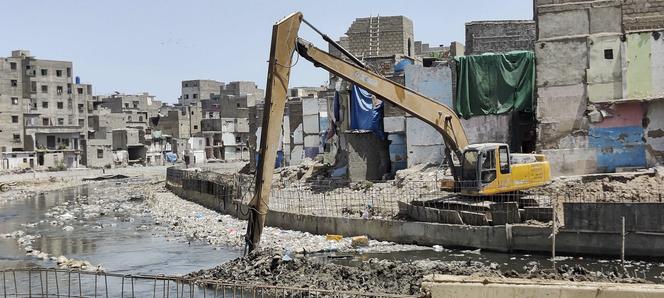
{"x": 377, "y": 275}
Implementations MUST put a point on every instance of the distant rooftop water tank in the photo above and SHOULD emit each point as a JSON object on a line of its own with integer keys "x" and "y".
{"x": 78, "y": 80}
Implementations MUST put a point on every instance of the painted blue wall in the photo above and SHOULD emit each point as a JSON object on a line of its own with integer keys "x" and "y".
{"x": 618, "y": 147}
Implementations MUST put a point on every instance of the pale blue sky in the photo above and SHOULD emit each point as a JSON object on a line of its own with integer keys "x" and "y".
{"x": 134, "y": 46}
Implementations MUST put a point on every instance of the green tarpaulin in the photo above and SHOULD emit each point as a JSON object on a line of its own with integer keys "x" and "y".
{"x": 495, "y": 83}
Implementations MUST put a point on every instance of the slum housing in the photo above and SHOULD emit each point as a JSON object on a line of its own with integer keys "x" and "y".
{"x": 588, "y": 97}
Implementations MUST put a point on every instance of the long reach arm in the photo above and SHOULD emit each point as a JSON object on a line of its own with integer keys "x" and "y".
{"x": 284, "y": 43}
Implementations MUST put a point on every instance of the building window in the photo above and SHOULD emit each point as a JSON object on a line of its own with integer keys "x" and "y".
{"x": 58, "y": 90}
{"x": 60, "y": 105}
{"x": 45, "y": 122}
{"x": 14, "y": 83}
{"x": 186, "y": 85}
{"x": 45, "y": 104}
{"x": 608, "y": 54}
{"x": 14, "y": 119}
{"x": 12, "y": 65}
{"x": 186, "y": 96}
{"x": 68, "y": 88}
{"x": 68, "y": 71}
{"x": 69, "y": 104}
{"x": 195, "y": 95}
{"x": 61, "y": 121}
{"x": 195, "y": 126}
{"x": 129, "y": 118}
{"x": 81, "y": 122}
{"x": 238, "y": 140}
{"x": 44, "y": 88}
{"x": 135, "y": 103}
{"x": 140, "y": 118}
{"x": 33, "y": 87}
{"x": 80, "y": 90}
{"x": 237, "y": 104}
{"x": 15, "y": 100}
{"x": 58, "y": 73}
{"x": 100, "y": 153}
{"x": 17, "y": 137}
{"x": 44, "y": 72}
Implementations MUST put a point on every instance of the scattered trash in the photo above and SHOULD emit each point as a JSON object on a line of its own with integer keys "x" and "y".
{"x": 333, "y": 237}
{"x": 359, "y": 241}
{"x": 438, "y": 248}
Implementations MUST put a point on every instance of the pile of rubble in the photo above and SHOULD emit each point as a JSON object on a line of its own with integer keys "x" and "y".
{"x": 619, "y": 187}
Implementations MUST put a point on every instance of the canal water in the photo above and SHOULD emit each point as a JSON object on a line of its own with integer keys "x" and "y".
{"x": 118, "y": 242}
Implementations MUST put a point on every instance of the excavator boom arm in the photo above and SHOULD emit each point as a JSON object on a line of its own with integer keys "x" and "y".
{"x": 284, "y": 43}
{"x": 435, "y": 114}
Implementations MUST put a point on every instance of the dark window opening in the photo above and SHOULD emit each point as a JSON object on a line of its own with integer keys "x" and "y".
{"x": 14, "y": 119}
{"x": 100, "y": 153}
{"x": 59, "y": 90}
{"x": 60, "y": 105}
{"x": 44, "y": 89}
{"x": 17, "y": 137}
{"x": 80, "y": 90}
{"x": 14, "y": 83}
{"x": 15, "y": 100}
{"x": 45, "y": 104}
{"x": 44, "y": 72}
{"x": 608, "y": 54}
{"x": 58, "y": 73}
{"x": 12, "y": 65}
{"x": 68, "y": 71}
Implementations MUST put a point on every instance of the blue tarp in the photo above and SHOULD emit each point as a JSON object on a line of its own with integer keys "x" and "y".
{"x": 363, "y": 114}
{"x": 171, "y": 157}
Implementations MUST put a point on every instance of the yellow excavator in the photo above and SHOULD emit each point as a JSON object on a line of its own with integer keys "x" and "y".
{"x": 484, "y": 169}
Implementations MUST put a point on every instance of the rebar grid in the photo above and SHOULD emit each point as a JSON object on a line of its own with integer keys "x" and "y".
{"x": 39, "y": 282}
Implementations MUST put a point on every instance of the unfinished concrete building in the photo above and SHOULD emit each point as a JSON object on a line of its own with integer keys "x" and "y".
{"x": 499, "y": 36}
{"x": 45, "y": 111}
{"x": 193, "y": 91}
{"x": 381, "y": 36}
{"x": 600, "y": 85}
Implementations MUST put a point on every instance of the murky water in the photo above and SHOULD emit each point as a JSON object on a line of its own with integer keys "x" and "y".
{"x": 652, "y": 270}
{"x": 120, "y": 246}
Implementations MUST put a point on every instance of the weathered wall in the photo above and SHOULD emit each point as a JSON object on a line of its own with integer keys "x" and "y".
{"x": 499, "y": 36}
{"x": 423, "y": 143}
{"x": 596, "y": 85}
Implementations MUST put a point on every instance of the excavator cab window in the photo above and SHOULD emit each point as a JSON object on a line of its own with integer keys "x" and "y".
{"x": 488, "y": 170}
{"x": 469, "y": 167}
{"x": 504, "y": 159}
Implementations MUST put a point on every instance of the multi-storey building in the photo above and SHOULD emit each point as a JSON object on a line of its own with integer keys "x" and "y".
{"x": 43, "y": 110}
{"x": 193, "y": 91}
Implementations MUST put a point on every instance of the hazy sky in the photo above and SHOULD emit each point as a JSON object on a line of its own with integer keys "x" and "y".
{"x": 133, "y": 46}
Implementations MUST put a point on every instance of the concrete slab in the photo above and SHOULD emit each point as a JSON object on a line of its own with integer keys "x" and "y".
{"x": 466, "y": 286}
{"x": 505, "y": 213}
{"x": 474, "y": 218}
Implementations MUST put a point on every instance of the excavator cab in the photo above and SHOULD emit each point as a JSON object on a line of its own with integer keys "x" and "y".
{"x": 490, "y": 168}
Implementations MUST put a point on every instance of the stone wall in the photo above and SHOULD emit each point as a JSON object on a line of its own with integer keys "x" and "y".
{"x": 499, "y": 36}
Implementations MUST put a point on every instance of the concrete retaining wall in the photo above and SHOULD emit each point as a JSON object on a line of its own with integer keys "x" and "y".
{"x": 464, "y": 286}
{"x": 502, "y": 238}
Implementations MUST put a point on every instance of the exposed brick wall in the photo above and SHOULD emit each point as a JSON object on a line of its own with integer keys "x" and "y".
{"x": 643, "y": 14}
{"x": 499, "y": 36}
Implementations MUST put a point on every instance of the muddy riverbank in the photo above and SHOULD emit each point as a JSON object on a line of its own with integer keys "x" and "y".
{"x": 380, "y": 275}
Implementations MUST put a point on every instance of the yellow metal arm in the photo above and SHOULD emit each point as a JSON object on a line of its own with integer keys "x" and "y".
{"x": 284, "y": 43}
{"x": 435, "y": 114}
